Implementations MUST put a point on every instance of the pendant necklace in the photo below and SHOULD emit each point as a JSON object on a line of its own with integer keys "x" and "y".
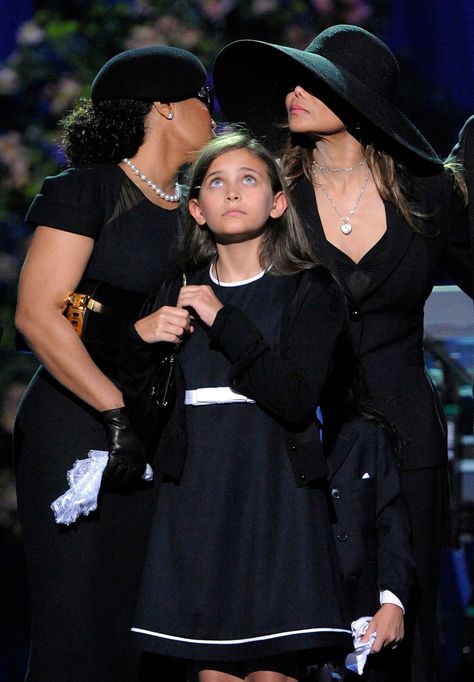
{"x": 345, "y": 226}
{"x": 174, "y": 198}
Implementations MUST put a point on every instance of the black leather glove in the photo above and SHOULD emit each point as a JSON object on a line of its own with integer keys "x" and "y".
{"x": 127, "y": 453}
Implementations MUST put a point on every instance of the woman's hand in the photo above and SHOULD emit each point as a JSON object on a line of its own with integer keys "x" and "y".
{"x": 388, "y": 624}
{"x": 127, "y": 453}
{"x": 165, "y": 324}
{"x": 202, "y": 300}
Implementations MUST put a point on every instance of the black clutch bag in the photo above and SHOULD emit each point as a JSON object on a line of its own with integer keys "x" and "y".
{"x": 150, "y": 375}
{"x": 99, "y": 313}
{"x": 162, "y": 390}
{"x": 150, "y": 398}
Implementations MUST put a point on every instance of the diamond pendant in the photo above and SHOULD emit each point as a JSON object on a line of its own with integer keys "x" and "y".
{"x": 346, "y": 227}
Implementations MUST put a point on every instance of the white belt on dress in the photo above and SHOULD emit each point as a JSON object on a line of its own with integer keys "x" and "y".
{"x": 214, "y": 396}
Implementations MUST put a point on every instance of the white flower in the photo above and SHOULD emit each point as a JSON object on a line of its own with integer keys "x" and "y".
{"x": 64, "y": 94}
{"x": 14, "y": 155}
{"x": 262, "y": 7}
{"x": 30, "y": 33}
{"x": 9, "y": 81}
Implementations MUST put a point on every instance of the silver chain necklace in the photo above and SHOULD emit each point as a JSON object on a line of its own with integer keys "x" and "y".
{"x": 167, "y": 197}
{"x": 316, "y": 165}
{"x": 345, "y": 226}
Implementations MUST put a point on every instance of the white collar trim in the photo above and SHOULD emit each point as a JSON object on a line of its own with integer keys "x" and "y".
{"x": 234, "y": 284}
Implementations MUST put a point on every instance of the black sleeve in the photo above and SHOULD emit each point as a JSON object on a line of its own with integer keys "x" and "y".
{"x": 288, "y": 384}
{"x": 463, "y": 150}
{"x": 458, "y": 255}
{"x": 395, "y": 561}
{"x": 71, "y": 201}
{"x": 459, "y": 232}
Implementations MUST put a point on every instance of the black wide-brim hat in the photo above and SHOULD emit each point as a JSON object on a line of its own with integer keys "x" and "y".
{"x": 344, "y": 63}
{"x": 158, "y": 73}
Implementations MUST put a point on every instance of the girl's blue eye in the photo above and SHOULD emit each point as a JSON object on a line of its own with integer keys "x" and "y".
{"x": 215, "y": 182}
{"x": 249, "y": 180}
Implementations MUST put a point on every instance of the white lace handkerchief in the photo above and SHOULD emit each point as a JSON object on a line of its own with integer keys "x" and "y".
{"x": 84, "y": 484}
{"x": 355, "y": 661}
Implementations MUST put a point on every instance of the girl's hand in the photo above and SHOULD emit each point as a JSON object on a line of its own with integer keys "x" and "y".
{"x": 388, "y": 624}
{"x": 202, "y": 300}
{"x": 165, "y": 324}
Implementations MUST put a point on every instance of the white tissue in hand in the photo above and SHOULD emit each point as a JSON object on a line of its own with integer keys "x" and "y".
{"x": 355, "y": 661}
{"x": 84, "y": 484}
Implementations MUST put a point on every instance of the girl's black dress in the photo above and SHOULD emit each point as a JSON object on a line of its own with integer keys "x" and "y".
{"x": 84, "y": 578}
{"x": 241, "y": 563}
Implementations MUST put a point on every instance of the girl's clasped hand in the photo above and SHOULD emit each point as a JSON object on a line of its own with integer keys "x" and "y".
{"x": 170, "y": 323}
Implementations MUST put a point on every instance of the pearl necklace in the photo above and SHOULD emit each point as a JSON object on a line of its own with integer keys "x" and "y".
{"x": 167, "y": 197}
{"x": 345, "y": 226}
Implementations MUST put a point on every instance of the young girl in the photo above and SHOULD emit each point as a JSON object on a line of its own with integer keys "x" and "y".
{"x": 241, "y": 574}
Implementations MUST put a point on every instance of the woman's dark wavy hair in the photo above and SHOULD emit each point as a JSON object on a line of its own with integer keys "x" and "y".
{"x": 104, "y": 132}
{"x": 285, "y": 248}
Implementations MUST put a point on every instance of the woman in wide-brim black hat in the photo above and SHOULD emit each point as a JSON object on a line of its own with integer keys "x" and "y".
{"x": 112, "y": 218}
{"x": 385, "y": 214}
{"x": 350, "y": 69}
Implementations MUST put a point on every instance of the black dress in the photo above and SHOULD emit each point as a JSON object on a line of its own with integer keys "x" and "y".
{"x": 386, "y": 295}
{"x": 241, "y": 562}
{"x": 84, "y": 578}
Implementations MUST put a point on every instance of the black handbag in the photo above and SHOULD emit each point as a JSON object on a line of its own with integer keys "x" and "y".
{"x": 150, "y": 394}
{"x": 163, "y": 384}
{"x": 162, "y": 389}
{"x": 99, "y": 313}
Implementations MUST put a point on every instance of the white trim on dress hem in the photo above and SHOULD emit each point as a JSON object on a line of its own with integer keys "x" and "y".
{"x": 238, "y": 641}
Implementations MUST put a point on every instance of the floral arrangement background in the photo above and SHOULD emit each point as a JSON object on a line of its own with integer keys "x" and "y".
{"x": 57, "y": 53}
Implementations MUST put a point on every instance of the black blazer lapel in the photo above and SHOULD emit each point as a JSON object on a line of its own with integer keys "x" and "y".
{"x": 344, "y": 444}
{"x": 400, "y": 236}
{"x": 305, "y": 202}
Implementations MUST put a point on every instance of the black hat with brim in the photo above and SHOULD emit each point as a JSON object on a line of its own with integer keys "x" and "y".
{"x": 344, "y": 64}
{"x": 151, "y": 74}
